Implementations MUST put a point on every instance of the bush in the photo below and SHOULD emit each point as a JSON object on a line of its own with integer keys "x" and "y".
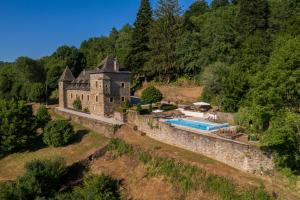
{"x": 58, "y": 133}
{"x": 99, "y": 187}
{"x": 284, "y": 140}
{"x": 151, "y": 95}
{"x": 77, "y": 104}
{"x": 42, "y": 116}
{"x": 167, "y": 107}
{"x": 41, "y": 179}
{"x": 17, "y": 125}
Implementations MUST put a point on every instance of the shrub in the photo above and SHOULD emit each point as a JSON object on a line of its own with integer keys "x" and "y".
{"x": 17, "y": 125}
{"x": 98, "y": 187}
{"x": 167, "y": 107}
{"x": 41, "y": 179}
{"x": 151, "y": 95}
{"x": 42, "y": 116}
{"x": 77, "y": 104}
{"x": 58, "y": 133}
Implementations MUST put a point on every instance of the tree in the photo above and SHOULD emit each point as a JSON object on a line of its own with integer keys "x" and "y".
{"x": 252, "y": 16}
{"x": 283, "y": 138}
{"x": 77, "y": 104}
{"x": 17, "y": 127}
{"x": 71, "y": 57}
{"x": 41, "y": 179}
{"x": 123, "y": 44}
{"x": 42, "y": 116}
{"x": 164, "y": 36}
{"x": 58, "y": 133}
{"x": 151, "y": 95}
{"x": 29, "y": 70}
{"x": 138, "y": 55}
{"x": 198, "y": 8}
{"x": 219, "y": 3}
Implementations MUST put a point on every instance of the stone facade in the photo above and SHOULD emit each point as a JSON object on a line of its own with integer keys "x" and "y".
{"x": 235, "y": 154}
{"x": 100, "y": 91}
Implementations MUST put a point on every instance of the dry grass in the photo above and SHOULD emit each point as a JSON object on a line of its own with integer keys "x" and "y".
{"x": 174, "y": 93}
{"x": 85, "y": 143}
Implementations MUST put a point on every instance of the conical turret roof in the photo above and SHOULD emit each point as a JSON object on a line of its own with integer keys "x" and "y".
{"x": 67, "y": 75}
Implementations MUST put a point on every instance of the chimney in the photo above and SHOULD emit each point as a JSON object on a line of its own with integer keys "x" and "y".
{"x": 116, "y": 66}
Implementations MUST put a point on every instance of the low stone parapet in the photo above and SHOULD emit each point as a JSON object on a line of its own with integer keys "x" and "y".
{"x": 106, "y": 126}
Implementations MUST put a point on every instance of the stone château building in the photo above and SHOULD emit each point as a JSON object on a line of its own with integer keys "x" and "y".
{"x": 100, "y": 91}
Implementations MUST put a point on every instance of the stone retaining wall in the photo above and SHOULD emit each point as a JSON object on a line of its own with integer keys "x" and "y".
{"x": 235, "y": 154}
{"x": 104, "y": 128}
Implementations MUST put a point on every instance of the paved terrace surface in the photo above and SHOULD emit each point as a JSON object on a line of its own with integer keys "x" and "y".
{"x": 95, "y": 117}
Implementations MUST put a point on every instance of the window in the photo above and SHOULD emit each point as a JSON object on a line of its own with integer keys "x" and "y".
{"x": 96, "y": 83}
{"x": 71, "y": 96}
{"x": 88, "y": 97}
{"x": 82, "y": 97}
{"x": 123, "y": 99}
{"x": 123, "y": 85}
{"x": 106, "y": 86}
{"x": 111, "y": 99}
{"x": 97, "y": 98}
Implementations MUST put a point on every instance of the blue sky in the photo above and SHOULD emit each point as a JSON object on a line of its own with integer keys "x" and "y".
{"x": 35, "y": 28}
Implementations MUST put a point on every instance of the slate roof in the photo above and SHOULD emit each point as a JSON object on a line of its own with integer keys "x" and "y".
{"x": 67, "y": 75}
{"x": 82, "y": 82}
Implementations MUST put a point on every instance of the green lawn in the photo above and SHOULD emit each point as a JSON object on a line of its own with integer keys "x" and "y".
{"x": 84, "y": 143}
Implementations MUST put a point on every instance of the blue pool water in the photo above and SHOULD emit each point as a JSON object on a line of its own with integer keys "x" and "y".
{"x": 196, "y": 124}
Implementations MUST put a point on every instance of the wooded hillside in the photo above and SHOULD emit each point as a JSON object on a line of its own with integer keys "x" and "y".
{"x": 246, "y": 54}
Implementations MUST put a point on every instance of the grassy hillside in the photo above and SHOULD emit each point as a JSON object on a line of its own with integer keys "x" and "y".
{"x": 84, "y": 143}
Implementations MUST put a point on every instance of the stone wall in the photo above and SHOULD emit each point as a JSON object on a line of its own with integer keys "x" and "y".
{"x": 106, "y": 129}
{"x": 238, "y": 155}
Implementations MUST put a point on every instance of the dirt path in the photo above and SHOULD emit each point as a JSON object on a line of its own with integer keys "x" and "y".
{"x": 273, "y": 185}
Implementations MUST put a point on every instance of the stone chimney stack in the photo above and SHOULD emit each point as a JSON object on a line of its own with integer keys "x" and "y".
{"x": 116, "y": 66}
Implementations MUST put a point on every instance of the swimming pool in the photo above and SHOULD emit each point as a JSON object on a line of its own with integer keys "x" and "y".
{"x": 195, "y": 124}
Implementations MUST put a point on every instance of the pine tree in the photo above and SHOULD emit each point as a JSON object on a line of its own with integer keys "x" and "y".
{"x": 219, "y": 3}
{"x": 253, "y": 16}
{"x": 140, "y": 39}
{"x": 164, "y": 36}
{"x": 197, "y": 8}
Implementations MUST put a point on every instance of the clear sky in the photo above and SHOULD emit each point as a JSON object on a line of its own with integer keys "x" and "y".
{"x": 35, "y": 28}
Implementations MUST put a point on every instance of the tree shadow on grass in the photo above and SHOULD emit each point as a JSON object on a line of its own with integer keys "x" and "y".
{"x": 77, "y": 137}
{"x": 36, "y": 144}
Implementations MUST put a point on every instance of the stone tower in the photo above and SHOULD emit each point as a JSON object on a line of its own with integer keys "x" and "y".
{"x": 64, "y": 81}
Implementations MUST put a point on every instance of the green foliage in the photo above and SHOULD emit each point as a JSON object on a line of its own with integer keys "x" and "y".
{"x": 99, "y": 188}
{"x": 283, "y": 138}
{"x": 77, "y": 104}
{"x": 164, "y": 35}
{"x": 167, "y": 107}
{"x": 71, "y": 57}
{"x": 139, "y": 51}
{"x": 58, "y": 133}
{"x": 42, "y": 116}
{"x": 41, "y": 179}
{"x": 151, "y": 95}
{"x": 219, "y": 3}
{"x": 17, "y": 126}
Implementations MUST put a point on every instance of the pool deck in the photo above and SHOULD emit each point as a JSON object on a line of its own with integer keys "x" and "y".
{"x": 211, "y": 133}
